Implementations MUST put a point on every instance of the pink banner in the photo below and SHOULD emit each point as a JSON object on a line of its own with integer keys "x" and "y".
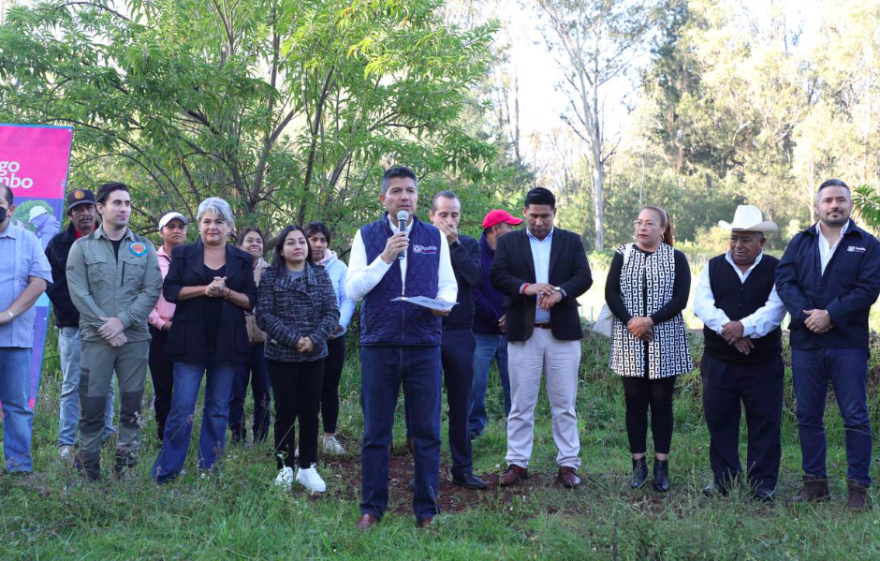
{"x": 33, "y": 163}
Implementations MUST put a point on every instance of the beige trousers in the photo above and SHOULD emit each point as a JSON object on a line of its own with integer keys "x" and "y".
{"x": 526, "y": 362}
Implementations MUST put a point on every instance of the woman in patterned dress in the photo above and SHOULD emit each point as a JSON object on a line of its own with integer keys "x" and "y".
{"x": 647, "y": 289}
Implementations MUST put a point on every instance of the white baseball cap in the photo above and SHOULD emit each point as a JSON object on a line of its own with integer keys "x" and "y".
{"x": 172, "y": 216}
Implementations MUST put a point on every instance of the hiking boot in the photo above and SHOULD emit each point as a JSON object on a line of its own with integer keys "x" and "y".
{"x": 815, "y": 490}
{"x": 858, "y": 495}
{"x": 124, "y": 460}
{"x": 88, "y": 464}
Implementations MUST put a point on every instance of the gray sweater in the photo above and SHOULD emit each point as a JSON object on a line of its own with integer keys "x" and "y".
{"x": 289, "y": 309}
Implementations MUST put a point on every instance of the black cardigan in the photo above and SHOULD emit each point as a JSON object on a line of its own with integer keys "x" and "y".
{"x": 186, "y": 340}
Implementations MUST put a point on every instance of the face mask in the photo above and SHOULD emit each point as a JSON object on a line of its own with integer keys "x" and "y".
{"x": 2, "y": 214}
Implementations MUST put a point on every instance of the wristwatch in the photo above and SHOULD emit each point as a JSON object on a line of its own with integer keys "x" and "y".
{"x": 560, "y": 291}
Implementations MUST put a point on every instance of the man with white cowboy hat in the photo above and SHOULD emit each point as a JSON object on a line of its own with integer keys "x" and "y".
{"x": 742, "y": 364}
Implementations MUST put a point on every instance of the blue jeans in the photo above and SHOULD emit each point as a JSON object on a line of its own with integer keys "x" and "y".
{"x": 18, "y": 419}
{"x": 489, "y": 348}
{"x": 256, "y": 371}
{"x": 70, "y": 349}
{"x": 383, "y": 369}
{"x": 178, "y": 427}
{"x": 847, "y": 369}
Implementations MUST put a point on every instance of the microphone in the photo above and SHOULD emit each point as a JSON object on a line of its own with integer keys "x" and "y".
{"x": 402, "y": 217}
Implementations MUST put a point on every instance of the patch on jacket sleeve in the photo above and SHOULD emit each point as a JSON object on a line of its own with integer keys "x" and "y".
{"x": 137, "y": 249}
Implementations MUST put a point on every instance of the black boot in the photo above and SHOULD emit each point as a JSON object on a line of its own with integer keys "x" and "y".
{"x": 640, "y": 473}
{"x": 661, "y": 475}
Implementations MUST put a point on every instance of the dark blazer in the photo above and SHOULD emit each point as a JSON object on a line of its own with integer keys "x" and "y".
{"x": 513, "y": 266}
{"x": 66, "y": 314}
{"x": 846, "y": 291}
{"x": 186, "y": 340}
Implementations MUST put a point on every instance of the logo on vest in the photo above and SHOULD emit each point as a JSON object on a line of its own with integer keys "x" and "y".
{"x": 425, "y": 249}
{"x": 856, "y": 249}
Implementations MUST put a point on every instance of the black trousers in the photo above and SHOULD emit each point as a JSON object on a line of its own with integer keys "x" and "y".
{"x": 254, "y": 371}
{"x": 330, "y": 390}
{"x": 727, "y": 388}
{"x": 296, "y": 388}
{"x": 641, "y": 393}
{"x": 457, "y": 358}
{"x": 162, "y": 374}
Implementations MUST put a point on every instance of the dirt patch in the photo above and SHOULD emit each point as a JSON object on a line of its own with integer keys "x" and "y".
{"x": 346, "y": 483}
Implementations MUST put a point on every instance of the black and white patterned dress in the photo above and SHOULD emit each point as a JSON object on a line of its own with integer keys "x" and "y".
{"x": 647, "y": 287}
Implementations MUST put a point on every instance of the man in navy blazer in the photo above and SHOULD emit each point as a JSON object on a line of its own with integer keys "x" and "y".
{"x": 828, "y": 280}
{"x": 541, "y": 270}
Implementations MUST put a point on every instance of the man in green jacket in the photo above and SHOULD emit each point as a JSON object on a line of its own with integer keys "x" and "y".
{"x": 114, "y": 281}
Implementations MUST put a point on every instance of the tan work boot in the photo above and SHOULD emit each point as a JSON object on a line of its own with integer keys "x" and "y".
{"x": 815, "y": 490}
{"x": 858, "y": 495}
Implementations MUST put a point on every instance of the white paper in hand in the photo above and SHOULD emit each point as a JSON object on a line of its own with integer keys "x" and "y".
{"x": 430, "y": 303}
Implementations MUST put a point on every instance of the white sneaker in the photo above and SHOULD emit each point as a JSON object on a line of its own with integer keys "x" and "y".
{"x": 310, "y": 479}
{"x": 333, "y": 447}
{"x": 285, "y": 478}
{"x": 65, "y": 451}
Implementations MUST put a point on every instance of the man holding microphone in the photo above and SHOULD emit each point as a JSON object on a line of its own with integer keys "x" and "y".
{"x": 396, "y": 256}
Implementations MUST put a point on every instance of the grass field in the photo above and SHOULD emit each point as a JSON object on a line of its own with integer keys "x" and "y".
{"x": 238, "y": 514}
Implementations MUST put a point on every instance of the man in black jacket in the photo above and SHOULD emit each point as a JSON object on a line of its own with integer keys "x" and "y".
{"x": 82, "y": 212}
{"x": 828, "y": 280}
{"x": 458, "y": 343}
{"x": 542, "y": 270}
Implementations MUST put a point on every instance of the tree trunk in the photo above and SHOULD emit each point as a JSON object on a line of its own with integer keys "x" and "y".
{"x": 598, "y": 203}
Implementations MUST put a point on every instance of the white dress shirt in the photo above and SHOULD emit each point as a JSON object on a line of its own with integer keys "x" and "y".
{"x": 765, "y": 319}
{"x": 541, "y": 257}
{"x": 826, "y": 251}
{"x": 363, "y": 277}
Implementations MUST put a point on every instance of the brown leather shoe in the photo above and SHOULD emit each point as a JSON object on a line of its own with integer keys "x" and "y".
{"x": 858, "y": 495}
{"x": 366, "y": 522}
{"x": 568, "y": 477}
{"x": 815, "y": 490}
{"x": 513, "y": 475}
{"x": 424, "y": 523}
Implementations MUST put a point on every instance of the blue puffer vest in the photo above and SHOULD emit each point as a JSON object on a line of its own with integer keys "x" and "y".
{"x": 384, "y": 322}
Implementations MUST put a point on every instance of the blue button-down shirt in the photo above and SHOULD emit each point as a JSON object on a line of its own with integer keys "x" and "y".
{"x": 541, "y": 257}
{"x": 21, "y": 257}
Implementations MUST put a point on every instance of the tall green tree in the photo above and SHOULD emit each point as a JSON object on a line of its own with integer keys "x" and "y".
{"x": 287, "y": 107}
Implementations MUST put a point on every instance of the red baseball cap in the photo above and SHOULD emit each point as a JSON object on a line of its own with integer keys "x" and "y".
{"x": 497, "y": 217}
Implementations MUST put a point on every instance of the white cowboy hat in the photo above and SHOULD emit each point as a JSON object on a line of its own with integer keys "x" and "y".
{"x": 748, "y": 219}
